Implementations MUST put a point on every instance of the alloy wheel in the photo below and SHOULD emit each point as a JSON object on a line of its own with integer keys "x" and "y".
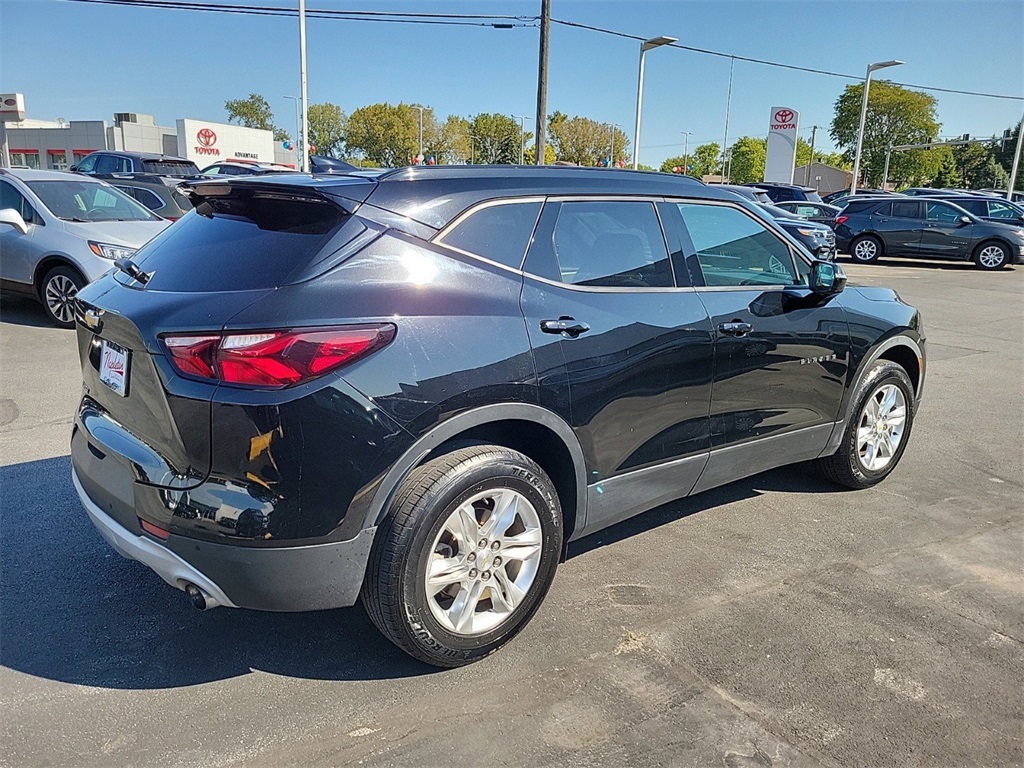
{"x": 881, "y": 426}
{"x": 992, "y": 256}
{"x": 60, "y": 295}
{"x": 865, "y": 250}
{"x": 483, "y": 561}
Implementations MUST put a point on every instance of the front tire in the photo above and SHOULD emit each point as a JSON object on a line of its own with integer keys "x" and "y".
{"x": 990, "y": 256}
{"x": 877, "y": 435}
{"x": 465, "y": 556}
{"x": 866, "y": 249}
{"x": 58, "y": 290}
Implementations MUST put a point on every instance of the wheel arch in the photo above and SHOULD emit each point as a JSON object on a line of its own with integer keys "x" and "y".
{"x": 47, "y": 263}
{"x": 534, "y": 431}
{"x": 998, "y": 241}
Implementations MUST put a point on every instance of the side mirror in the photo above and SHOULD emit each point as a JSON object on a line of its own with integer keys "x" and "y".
{"x": 827, "y": 278}
{"x": 73, "y": 169}
{"x": 12, "y": 217}
{"x": 965, "y": 220}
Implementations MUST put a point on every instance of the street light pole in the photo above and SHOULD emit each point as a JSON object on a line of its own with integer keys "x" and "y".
{"x": 522, "y": 136}
{"x": 686, "y": 149}
{"x": 864, "y": 114}
{"x": 1016, "y": 161}
{"x": 305, "y": 95}
{"x": 416, "y": 106}
{"x": 645, "y": 46}
{"x": 807, "y": 171}
{"x": 611, "y": 157}
{"x": 298, "y": 127}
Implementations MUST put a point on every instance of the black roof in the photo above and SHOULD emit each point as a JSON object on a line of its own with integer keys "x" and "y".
{"x": 434, "y": 195}
{"x": 779, "y": 184}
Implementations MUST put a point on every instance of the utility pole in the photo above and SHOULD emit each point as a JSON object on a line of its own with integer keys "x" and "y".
{"x": 305, "y": 95}
{"x": 807, "y": 171}
{"x": 686, "y": 149}
{"x": 542, "y": 82}
{"x": 728, "y": 113}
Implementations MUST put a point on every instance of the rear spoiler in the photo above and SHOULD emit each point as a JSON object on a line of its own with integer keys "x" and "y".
{"x": 346, "y": 192}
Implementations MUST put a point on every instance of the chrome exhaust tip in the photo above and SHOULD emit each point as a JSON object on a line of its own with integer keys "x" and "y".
{"x": 199, "y": 598}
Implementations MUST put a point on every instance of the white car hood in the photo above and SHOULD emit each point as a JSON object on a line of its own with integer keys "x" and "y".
{"x": 133, "y": 234}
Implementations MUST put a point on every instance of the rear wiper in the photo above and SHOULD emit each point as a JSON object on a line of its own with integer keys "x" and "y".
{"x": 132, "y": 269}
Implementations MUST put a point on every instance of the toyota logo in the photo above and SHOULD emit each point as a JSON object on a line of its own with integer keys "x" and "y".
{"x": 784, "y": 116}
{"x": 206, "y": 137}
{"x": 10, "y": 103}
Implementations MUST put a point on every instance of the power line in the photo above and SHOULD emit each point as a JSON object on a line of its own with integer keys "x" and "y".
{"x": 777, "y": 64}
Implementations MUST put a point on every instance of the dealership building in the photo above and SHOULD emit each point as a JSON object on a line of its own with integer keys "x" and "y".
{"x": 58, "y": 145}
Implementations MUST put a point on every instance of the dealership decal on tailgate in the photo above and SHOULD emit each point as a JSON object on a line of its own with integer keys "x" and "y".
{"x": 114, "y": 367}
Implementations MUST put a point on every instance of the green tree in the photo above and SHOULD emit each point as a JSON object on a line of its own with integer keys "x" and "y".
{"x": 671, "y": 163}
{"x": 1004, "y": 156}
{"x": 253, "y": 112}
{"x": 948, "y": 175}
{"x": 327, "y": 129}
{"x": 449, "y": 142}
{"x": 707, "y": 160}
{"x": 385, "y": 134}
{"x": 549, "y": 154}
{"x": 896, "y": 115}
{"x": 748, "y": 159}
{"x": 584, "y": 141}
{"x": 495, "y": 138}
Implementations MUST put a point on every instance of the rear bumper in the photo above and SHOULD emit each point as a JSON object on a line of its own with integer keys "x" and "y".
{"x": 302, "y": 578}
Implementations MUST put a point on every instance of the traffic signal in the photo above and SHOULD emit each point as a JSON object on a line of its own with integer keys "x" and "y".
{"x": 1005, "y": 140}
{"x": 965, "y": 137}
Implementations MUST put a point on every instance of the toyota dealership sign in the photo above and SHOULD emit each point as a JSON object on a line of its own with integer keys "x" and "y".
{"x": 206, "y": 142}
{"x": 783, "y": 128}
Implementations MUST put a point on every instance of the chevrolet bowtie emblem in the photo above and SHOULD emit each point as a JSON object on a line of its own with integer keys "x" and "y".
{"x": 92, "y": 319}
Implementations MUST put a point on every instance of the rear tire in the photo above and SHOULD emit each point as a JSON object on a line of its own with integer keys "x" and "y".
{"x": 58, "y": 290}
{"x": 876, "y": 436}
{"x": 866, "y": 249}
{"x": 465, "y": 555}
{"x": 991, "y": 256}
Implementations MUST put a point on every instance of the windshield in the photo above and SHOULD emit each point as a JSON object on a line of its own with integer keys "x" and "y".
{"x": 89, "y": 201}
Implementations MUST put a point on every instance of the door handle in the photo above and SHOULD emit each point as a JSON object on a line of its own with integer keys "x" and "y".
{"x": 569, "y": 326}
{"x": 735, "y": 328}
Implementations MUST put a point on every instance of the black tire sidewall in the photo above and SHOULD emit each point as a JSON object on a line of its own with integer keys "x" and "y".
{"x": 870, "y": 239}
{"x": 883, "y": 372}
{"x": 421, "y": 625}
{"x": 72, "y": 275}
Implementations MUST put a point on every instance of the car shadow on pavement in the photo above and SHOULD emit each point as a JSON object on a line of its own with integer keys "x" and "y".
{"x": 22, "y": 311}
{"x": 73, "y": 610}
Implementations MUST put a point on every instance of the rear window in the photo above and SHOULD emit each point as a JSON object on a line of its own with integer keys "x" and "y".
{"x": 238, "y": 244}
{"x": 171, "y": 167}
{"x": 814, "y": 197}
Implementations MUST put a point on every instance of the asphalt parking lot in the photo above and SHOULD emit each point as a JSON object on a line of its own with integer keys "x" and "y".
{"x": 774, "y": 621}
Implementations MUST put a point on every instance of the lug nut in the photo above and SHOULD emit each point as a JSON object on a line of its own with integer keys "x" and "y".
{"x": 486, "y": 574}
{"x": 497, "y": 562}
{"x": 482, "y": 543}
{"x": 495, "y": 544}
{"x": 473, "y": 573}
{"x": 471, "y": 556}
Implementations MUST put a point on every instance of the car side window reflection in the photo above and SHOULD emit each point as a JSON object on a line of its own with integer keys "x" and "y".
{"x": 942, "y": 213}
{"x": 736, "y": 249}
{"x": 498, "y": 232}
{"x": 611, "y": 244}
{"x": 12, "y": 198}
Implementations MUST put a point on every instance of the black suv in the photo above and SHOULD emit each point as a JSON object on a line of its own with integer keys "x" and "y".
{"x": 105, "y": 164}
{"x": 780, "y": 193}
{"x": 990, "y": 208}
{"x": 418, "y": 387}
{"x": 871, "y": 227}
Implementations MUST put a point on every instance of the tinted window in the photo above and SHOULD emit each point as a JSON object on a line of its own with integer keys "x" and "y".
{"x": 907, "y": 209}
{"x": 88, "y": 164}
{"x": 239, "y": 244}
{"x": 106, "y": 164}
{"x": 612, "y": 244}
{"x": 942, "y": 213}
{"x": 813, "y": 196}
{"x": 977, "y": 207}
{"x": 148, "y": 198}
{"x": 12, "y": 198}
{"x": 736, "y": 249}
{"x": 171, "y": 167}
{"x": 782, "y": 193}
{"x": 1002, "y": 211}
{"x": 499, "y": 232}
{"x": 89, "y": 200}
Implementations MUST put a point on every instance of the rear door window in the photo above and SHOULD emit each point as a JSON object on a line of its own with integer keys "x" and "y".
{"x": 999, "y": 210}
{"x": 942, "y": 213}
{"x": 611, "y": 244}
{"x": 499, "y": 232}
{"x": 906, "y": 209}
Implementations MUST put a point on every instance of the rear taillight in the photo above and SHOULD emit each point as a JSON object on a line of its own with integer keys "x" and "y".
{"x": 274, "y": 358}
{"x": 841, "y": 220}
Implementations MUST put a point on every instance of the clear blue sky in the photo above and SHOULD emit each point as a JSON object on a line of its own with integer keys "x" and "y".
{"x": 80, "y": 61}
